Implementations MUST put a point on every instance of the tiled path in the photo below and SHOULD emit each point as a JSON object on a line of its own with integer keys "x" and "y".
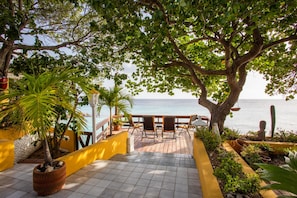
{"x": 162, "y": 168}
{"x": 135, "y": 175}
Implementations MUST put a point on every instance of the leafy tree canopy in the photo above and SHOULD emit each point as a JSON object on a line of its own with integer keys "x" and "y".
{"x": 205, "y": 47}
{"x": 52, "y": 28}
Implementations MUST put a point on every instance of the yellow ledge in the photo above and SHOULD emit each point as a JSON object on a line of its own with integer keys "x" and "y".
{"x": 103, "y": 150}
{"x": 209, "y": 183}
{"x": 6, "y": 154}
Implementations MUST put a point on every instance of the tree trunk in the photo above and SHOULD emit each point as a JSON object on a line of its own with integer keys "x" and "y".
{"x": 5, "y": 58}
{"x": 218, "y": 117}
{"x": 48, "y": 160}
{"x": 218, "y": 112}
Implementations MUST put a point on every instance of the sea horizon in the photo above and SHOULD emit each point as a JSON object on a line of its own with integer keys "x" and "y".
{"x": 251, "y": 112}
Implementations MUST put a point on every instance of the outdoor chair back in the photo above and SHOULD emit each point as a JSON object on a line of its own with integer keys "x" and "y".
{"x": 169, "y": 125}
{"x": 149, "y": 129}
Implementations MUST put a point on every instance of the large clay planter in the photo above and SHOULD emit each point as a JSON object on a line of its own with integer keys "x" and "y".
{"x": 238, "y": 145}
{"x": 49, "y": 183}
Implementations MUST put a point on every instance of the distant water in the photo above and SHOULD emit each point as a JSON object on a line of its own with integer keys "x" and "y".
{"x": 246, "y": 119}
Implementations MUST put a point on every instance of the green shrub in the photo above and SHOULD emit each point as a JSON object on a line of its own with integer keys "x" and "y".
{"x": 230, "y": 134}
{"x": 285, "y": 136}
{"x": 265, "y": 147}
{"x": 251, "y": 154}
{"x": 228, "y": 166}
{"x": 230, "y": 173}
{"x": 209, "y": 139}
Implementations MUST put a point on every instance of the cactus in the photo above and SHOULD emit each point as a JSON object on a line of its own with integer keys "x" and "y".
{"x": 272, "y": 114}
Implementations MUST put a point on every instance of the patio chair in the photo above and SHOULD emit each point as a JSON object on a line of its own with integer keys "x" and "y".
{"x": 133, "y": 126}
{"x": 149, "y": 128}
{"x": 188, "y": 126}
{"x": 169, "y": 125}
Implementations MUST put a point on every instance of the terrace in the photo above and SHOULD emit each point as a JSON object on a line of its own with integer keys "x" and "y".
{"x": 156, "y": 168}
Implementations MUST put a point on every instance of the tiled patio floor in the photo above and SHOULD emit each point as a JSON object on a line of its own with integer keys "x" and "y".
{"x": 161, "y": 168}
{"x": 137, "y": 175}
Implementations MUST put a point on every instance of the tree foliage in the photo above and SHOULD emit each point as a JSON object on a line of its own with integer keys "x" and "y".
{"x": 38, "y": 97}
{"x": 205, "y": 47}
{"x": 58, "y": 28}
{"x": 115, "y": 98}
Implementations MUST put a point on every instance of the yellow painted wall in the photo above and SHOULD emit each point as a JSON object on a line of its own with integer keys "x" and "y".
{"x": 104, "y": 150}
{"x": 12, "y": 133}
{"x": 248, "y": 170}
{"x": 70, "y": 144}
{"x": 6, "y": 154}
{"x": 209, "y": 183}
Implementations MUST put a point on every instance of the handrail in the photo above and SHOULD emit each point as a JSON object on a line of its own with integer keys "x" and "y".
{"x": 178, "y": 117}
{"x": 102, "y": 126}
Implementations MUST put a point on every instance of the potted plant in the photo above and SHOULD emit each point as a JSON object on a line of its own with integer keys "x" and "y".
{"x": 115, "y": 98}
{"x": 37, "y": 98}
{"x": 117, "y": 123}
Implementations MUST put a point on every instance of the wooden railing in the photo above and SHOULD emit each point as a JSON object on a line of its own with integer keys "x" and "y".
{"x": 85, "y": 138}
{"x": 179, "y": 119}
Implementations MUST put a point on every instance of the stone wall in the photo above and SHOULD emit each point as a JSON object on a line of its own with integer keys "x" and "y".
{"x": 24, "y": 147}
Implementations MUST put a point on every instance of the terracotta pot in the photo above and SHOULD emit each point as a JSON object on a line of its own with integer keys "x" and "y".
{"x": 117, "y": 127}
{"x": 237, "y": 145}
{"x": 3, "y": 83}
{"x": 50, "y": 182}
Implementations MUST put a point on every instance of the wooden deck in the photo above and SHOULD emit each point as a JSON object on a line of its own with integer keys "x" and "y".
{"x": 182, "y": 144}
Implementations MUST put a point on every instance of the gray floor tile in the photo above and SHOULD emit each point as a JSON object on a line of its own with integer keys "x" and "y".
{"x": 121, "y": 194}
{"x": 143, "y": 182}
{"x": 84, "y": 188}
{"x": 140, "y": 175}
{"x": 152, "y": 192}
{"x": 168, "y": 186}
{"x": 95, "y": 191}
{"x": 132, "y": 195}
{"x": 155, "y": 184}
{"x": 166, "y": 193}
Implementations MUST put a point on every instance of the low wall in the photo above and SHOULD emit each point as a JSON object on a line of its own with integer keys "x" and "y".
{"x": 23, "y": 146}
{"x": 277, "y": 146}
{"x": 6, "y": 154}
{"x": 209, "y": 183}
{"x": 103, "y": 150}
{"x": 11, "y": 133}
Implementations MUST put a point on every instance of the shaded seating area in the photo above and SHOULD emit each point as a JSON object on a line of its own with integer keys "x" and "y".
{"x": 164, "y": 126}
{"x": 169, "y": 126}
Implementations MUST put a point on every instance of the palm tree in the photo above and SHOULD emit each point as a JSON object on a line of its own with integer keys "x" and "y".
{"x": 115, "y": 98}
{"x": 37, "y": 99}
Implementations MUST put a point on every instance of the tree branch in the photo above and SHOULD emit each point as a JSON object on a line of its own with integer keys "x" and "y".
{"x": 289, "y": 38}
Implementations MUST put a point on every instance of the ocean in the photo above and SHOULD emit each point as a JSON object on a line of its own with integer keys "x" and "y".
{"x": 251, "y": 112}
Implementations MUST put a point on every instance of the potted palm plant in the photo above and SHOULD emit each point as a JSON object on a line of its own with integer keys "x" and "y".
{"x": 115, "y": 98}
{"x": 37, "y": 99}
